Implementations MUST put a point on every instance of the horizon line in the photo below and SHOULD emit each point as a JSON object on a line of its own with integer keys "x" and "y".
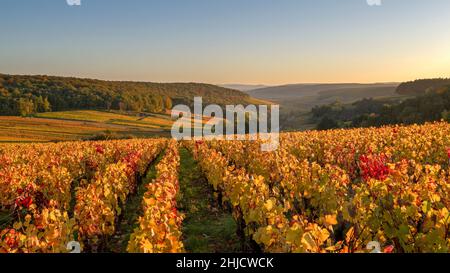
{"x": 212, "y": 83}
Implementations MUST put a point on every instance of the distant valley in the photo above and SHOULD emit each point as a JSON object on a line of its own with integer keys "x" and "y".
{"x": 304, "y": 97}
{"x": 243, "y": 87}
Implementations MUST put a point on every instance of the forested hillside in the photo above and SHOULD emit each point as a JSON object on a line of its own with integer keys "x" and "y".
{"x": 420, "y": 87}
{"x": 26, "y": 95}
{"x": 431, "y": 106}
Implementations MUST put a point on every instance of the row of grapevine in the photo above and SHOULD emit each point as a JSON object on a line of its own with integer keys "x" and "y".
{"x": 36, "y": 182}
{"x": 159, "y": 229}
{"x": 100, "y": 203}
{"x": 424, "y": 144}
{"x": 259, "y": 214}
{"x": 375, "y": 193}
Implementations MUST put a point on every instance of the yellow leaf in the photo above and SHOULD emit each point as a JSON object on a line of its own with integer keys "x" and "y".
{"x": 17, "y": 225}
{"x": 52, "y": 216}
{"x": 308, "y": 242}
{"x": 269, "y": 204}
{"x": 331, "y": 220}
{"x": 349, "y": 235}
{"x": 150, "y": 201}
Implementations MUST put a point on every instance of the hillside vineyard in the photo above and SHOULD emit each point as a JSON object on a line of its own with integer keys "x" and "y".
{"x": 331, "y": 191}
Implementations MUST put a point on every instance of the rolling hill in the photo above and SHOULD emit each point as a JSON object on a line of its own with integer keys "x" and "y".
{"x": 421, "y": 87}
{"x": 47, "y": 108}
{"x": 303, "y": 97}
{"x": 25, "y": 95}
{"x": 243, "y": 87}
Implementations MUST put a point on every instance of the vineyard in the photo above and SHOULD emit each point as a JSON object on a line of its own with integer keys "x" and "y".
{"x": 321, "y": 191}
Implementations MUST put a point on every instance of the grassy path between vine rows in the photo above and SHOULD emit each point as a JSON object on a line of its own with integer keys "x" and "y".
{"x": 133, "y": 209}
{"x": 207, "y": 227}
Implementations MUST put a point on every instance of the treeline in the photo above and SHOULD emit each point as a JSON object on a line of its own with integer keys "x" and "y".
{"x": 26, "y": 95}
{"x": 420, "y": 87}
{"x": 432, "y": 106}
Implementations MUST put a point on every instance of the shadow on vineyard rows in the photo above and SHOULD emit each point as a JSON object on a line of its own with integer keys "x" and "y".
{"x": 207, "y": 228}
{"x": 128, "y": 220}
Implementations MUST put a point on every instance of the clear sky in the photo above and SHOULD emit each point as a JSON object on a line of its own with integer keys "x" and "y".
{"x": 227, "y": 41}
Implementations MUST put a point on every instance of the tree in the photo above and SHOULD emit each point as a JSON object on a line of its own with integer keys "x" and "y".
{"x": 327, "y": 123}
{"x": 41, "y": 105}
{"x": 446, "y": 115}
{"x": 25, "y": 107}
{"x": 46, "y": 107}
{"x": 167, "y": 103}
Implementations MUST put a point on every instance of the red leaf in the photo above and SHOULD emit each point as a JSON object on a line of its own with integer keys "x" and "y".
{"x": 388, "y": 249}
